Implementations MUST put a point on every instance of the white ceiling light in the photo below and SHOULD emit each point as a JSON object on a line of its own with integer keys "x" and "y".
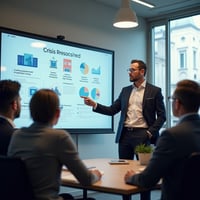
{"x": 144, "y": 3}
{"x": 126, "y": 17}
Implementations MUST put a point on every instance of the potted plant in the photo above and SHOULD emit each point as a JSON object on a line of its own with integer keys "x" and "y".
{"x": 144, "y": 153}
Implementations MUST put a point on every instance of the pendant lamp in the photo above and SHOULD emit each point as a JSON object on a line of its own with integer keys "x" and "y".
{"x": 126, "y": 17}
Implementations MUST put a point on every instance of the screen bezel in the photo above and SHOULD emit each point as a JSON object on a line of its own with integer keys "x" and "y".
{"x": 60, "y": 40}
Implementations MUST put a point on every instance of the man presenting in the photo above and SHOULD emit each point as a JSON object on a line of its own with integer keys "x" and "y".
{"x": 142, "y": 111}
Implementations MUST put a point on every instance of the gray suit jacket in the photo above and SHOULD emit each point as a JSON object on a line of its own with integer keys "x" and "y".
{"x": 45, "y": 150}
{"x": 173, "y": 148}
{"x": 153, "y": 109}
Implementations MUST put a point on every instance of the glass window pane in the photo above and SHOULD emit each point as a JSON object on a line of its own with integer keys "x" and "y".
{"x": 184, "y": 48}
{"x": 159, "y": 57}
{"x": 180, "y": 49}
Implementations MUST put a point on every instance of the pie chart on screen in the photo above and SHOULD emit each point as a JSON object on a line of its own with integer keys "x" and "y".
{"x": 84, "y": 68}
{"x": 95, "y": 93}
{"x": 84, "y": 92}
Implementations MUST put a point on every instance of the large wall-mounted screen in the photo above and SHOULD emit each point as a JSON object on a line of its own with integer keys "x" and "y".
{"x": 70, "y": 69}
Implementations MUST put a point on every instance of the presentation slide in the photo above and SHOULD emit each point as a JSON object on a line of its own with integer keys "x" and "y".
{"x": 70, "y": 69}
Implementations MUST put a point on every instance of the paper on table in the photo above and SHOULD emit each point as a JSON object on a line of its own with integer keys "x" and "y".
{"x": 89, "y": 167}
{"x": 70, "y": 177}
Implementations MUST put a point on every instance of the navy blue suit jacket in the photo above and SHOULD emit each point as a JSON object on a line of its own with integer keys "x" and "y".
{"x": 6, "y": 131}
{"x": 153, "y": 109}
{"x": 174, "y": 146}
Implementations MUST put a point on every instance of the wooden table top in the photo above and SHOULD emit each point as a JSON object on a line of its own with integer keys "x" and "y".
{"x": 112, "y": 180}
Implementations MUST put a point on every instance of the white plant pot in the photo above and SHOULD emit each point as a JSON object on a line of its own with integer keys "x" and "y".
{"x": 144, "y": 158}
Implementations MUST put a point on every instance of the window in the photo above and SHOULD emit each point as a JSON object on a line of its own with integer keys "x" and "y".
{"x": 182, "y": 59}
{"x": 195, "y": 59}
{"x": 175, "y": 49}
{"x": 159, "y": 56}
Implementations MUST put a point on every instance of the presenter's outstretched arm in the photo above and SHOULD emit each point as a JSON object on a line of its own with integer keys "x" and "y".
{"x": 89, "y": 101}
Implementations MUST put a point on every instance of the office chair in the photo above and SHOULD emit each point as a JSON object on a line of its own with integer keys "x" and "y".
{"x": 14, "y": 182}
{"x": 191, "y": 178}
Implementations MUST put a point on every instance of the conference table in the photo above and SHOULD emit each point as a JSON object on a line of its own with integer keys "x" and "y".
{"x": 112, "y": 180}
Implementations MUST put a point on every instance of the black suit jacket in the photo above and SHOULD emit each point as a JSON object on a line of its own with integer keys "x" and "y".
{"x": 153, "y": 109}
{"x": 174, "y": 146}
{"x": 6, "y": 131}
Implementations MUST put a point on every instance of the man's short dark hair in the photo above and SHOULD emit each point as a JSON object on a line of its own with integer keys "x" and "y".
{"x": 188, "y": 92}
{"x": 141, "y": 64}
{"x": 9, "y": 91}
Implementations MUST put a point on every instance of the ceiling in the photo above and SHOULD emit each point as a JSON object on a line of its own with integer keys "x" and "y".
{"x": 162, "y": 7}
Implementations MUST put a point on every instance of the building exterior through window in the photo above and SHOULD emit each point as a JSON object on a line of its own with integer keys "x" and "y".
{"x": 183, "y": 59}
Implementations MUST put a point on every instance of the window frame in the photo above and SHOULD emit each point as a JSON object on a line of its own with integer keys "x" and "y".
{"x": 165, "y": 21}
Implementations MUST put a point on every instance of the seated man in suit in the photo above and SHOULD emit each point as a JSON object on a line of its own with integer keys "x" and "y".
{"x": 10, "y": 107}
{"x": 174, "y": 145}
{"x": 45, "y": 149}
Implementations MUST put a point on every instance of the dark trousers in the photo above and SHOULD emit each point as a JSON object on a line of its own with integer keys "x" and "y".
{"x": 129, "y": 140}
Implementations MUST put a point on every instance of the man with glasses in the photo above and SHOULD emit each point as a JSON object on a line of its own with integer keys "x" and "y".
{"x": 174, "y": 145}
{"x": 10, "y": 108}
{"x": 142, "y": 111}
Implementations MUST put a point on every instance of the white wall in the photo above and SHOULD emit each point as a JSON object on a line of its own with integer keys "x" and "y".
{"x": 87, "y": 22}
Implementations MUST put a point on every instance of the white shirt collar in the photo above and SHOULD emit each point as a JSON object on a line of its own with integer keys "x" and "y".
{"x": 142, "y": 85}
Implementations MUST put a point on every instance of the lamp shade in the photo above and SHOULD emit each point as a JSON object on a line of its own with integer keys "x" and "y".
{"x": 125, "y": 17}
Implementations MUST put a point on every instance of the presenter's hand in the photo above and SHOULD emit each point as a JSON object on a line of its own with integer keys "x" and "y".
{"x": 89, "y": 101}
{"x": 128, "y": 175}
